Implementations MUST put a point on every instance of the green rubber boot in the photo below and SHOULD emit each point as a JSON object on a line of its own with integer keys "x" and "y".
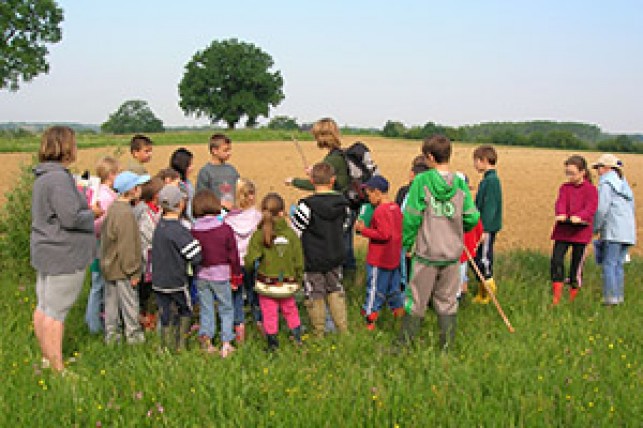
{"x": 447, "y": 324}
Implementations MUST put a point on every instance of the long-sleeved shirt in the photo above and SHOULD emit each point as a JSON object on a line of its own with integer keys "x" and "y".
{"x": 384, "y": 236}
{"x": 120, "y": 243}
{"x": 580, "y": 201}
{"x": 336, "y": 159}
{"x": 173, "y": 248}
{"x": 489, "y": 201}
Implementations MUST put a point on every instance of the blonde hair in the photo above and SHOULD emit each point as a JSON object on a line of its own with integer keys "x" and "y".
{"x": 58, "y": 144}
{"x": 105, "y": 166}
{"x": 326, "y": 133}
{"x": 271, "y": 205}
{"x": 245, "y": 193}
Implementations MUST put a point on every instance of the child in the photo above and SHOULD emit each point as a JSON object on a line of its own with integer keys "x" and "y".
{"x": 141, "y": 150}
{"x": 489, "y": 204}
{"x": 217, "y": 175}
{"x": 615, "y": 223}
{"x": 418, "y": 166}
{"x": 181, "y": 162}
{"x": 106, "y": 170}
{"x": 574, "y": 209}
{"x": 173, "y": 248}
{"x": 121, "y": 261}
{"x": 147, "y": 221}
{"x": 439, "y": 209}
{"x": 219, "y": 263}
{"x": 278, "y": 250}
{"x": 244, "y": 221}
{"x": 384, "y": 249}
{"x": 322, "y": 219}
{"x": 169, "y": 176}
{"x": 470, "y": 242}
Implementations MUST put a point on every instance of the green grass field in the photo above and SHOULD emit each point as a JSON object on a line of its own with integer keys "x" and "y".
{"x": 574, "y": 365}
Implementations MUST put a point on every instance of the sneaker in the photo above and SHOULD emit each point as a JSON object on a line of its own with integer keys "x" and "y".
{"x": 398, "y": 312}
{"x": 226, "y": 350}
{"x": 136, "y": 339}
{"x": 206, "y": 345}
{"x": 45, "y": 363}
{"x": 370, "y": 326}
{"x": 240, "y": 333}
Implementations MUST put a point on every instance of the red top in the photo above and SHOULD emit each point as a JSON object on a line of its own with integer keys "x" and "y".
{"x": 385, "y": 236}
{"x": 580, "y": 201}
{"x": 471, "y": 241}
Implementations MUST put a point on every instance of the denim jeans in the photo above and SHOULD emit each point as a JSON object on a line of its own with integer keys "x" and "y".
{"x": 208, "y": 290}
{"x": 95, "y": 303}
{"x": 613, "y": 272}
{"x": 248, "y": 288}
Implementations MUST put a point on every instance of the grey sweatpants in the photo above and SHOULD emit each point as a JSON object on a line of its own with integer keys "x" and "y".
{"x": 121, "y": 298}
{"x": 439, "y": 283}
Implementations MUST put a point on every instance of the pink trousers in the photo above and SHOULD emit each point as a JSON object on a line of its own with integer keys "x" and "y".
{"x": 270, "y": 312}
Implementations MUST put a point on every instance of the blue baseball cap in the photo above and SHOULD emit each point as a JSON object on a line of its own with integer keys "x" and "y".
{"x": 127, "y": 180}
{"x": 377, "y": 182}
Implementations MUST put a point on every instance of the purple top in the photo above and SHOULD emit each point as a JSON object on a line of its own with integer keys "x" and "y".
{"x": 219, "y": 249}
{"x": 580, "y": 201}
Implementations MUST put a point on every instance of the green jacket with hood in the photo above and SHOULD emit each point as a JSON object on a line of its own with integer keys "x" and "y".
{"x": 438, "y": 211}
{"x": 284, "y": 259}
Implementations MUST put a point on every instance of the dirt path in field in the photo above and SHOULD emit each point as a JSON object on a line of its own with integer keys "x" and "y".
{"x": 530, "y": 177}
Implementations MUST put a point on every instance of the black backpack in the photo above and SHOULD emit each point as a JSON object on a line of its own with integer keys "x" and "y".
{"x": 361, "y": 168}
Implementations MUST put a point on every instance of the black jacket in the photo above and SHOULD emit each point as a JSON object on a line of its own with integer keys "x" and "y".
{"x": 173, "y": 247}
{"x": 322, "y": 219}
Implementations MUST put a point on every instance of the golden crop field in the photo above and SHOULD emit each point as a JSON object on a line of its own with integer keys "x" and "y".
{"x": 530, "y": 177}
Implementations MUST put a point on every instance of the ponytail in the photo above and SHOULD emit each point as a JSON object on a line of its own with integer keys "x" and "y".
{"x": 271, "y": 205}
{"x": 581, "y": 164}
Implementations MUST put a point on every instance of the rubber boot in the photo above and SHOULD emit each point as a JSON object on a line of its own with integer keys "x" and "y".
{"x": 317, "y": 315}
{"x": 410, "y": 326}
{"x": 167, "y": 338}
{"x": 337, "y": 306}
{"x": 572, "y": 293}
{"x": 447, "y": 325}
{"x": 296, "y": 335}
{"x": 182, "y": 334}
{"x": 479, "y": 297}
{"x": 273, "y": 342}
{"x": 557, "y": 290}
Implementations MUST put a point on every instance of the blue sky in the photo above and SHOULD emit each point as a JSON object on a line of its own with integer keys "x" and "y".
{"x": 361, "y": 62}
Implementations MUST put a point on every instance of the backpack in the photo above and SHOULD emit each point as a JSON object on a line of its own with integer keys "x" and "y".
{"x": 361, "y": 168}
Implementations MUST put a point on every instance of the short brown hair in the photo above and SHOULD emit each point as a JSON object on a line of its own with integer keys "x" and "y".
{"x": 487, "y": 153}
{"x": 205, "y": 202}
{"x": 105, "y": 166}
{"x": 58, "y": 144}
{"x": 322, "y": 173}
{"x": 138, "y": 142}
{"x": 150, "y": 189}
{"x": 439, "y": 147}
{"x": 168, "y": 173}
{"x": 419, "y": 165}
{"x": 217, "y": 140}
{"x": 326, "y": 133}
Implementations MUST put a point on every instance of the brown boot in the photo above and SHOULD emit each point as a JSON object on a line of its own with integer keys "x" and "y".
{"x": 317, "y": 315}
{"x": 337, "y": 306}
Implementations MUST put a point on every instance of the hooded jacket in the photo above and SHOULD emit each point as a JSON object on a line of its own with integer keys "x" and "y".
{"x": 243, "y": 224}
{"x": 437, "y": 213}
{"x": 322, "y": 220}
{"x": 614, "y": 219}
{"x": 220, "y": 256}
{"x": 578, "y": 200}
{"x": 62, "y": 225}
{"x": 489, "y": 201}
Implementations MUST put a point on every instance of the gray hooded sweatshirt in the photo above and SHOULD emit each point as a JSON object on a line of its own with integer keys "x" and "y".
{"x": 62, "y": 225}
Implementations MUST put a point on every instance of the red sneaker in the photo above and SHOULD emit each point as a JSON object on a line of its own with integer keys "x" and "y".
{"x": 398, "y": 312}
{"x": 370, "y": 326}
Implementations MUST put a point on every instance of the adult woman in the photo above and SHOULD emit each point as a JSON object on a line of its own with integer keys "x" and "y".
{"x": 615, "y": 223}
{"x": 326, "y": 133}
{"x": 62, "y": 240}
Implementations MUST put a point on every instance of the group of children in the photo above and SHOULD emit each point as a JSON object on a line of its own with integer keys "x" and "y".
{"x": 161, "y": 237}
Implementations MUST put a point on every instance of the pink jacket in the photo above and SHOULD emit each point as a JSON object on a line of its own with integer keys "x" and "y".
{"x": 243, "y": 223}
{"x": 106, "y": 197}
{"x": 580, "y": 201}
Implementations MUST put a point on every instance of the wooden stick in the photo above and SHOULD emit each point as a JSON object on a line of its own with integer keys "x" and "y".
{"x": 300, "y": 151}
{"x": 493, "y": 296}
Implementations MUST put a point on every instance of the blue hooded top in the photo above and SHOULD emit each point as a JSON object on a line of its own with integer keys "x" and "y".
{"x": 614, "y": 219}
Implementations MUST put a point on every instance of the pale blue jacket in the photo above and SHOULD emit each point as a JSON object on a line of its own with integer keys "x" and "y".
{"x": 614, "y": 219}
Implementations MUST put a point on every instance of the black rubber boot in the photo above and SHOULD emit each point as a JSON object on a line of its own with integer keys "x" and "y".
{"x": 410, "y": 326}
{"x": 296, "y": 335}
{"x": 273, "y": 342}
{"x": 447, "y": 324}
{"x": 182, "y": 335}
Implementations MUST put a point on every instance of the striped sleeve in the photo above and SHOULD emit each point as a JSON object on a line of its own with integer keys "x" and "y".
{"x": 191, "y": 250}
{"x": 301, "y": 216}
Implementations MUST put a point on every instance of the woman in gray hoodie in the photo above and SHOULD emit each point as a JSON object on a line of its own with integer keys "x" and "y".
{"x": 62, "y": 240}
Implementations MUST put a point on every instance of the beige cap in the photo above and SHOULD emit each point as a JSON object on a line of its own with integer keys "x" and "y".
{"x": 609, "y": 160}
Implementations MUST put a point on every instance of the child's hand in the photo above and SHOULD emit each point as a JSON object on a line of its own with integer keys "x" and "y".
{"x": 134, "y": 281}
{"x": 97, "y": 210}
{"x": 236, "y": 281}
{"x": 561, "y": 218}
{"x": 359, "y": 225}
{"x": 575, "y": 219}
{"x": 288, "y": 181}
{"x": 227, "y": 204}
{"x": 309, "y": 170}
{"x": 484, "y": 237}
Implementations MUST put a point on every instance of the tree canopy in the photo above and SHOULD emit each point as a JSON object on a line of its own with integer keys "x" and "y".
{"x": 27, "y": 27}
{"x": 132, "y": 116}
{"x": 230, "y": 80}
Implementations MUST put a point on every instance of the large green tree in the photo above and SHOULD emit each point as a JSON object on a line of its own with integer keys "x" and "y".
{"x": 230, "y": 80}
{"x": 27, "y": 27}
{"x": 132, "y": 116}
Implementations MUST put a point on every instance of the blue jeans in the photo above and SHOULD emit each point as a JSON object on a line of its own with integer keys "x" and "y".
{"x": 382, "y": 286}
{"x": 253, "y": 301}
{"x": 95, "y": 303}
{"x": 614, "y": 254}
{"x": 208, "y": 290}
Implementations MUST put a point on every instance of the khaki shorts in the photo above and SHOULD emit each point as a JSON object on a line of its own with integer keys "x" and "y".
{"x": 57, "y": 293}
